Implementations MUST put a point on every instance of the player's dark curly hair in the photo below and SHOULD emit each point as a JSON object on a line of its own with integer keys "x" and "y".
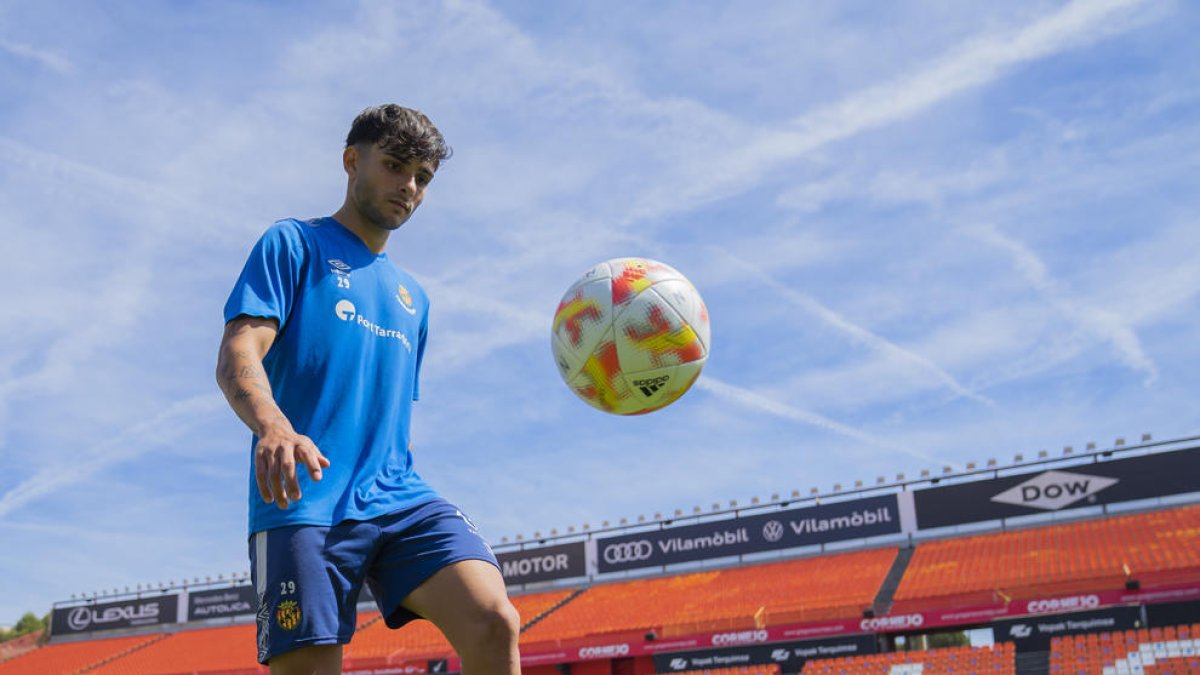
{"x": 399, "y": 131}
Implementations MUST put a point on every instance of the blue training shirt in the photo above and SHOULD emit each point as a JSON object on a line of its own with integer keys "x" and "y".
{"x": 344, "y": 367}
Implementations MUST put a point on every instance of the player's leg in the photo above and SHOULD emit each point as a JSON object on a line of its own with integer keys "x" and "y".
{"x": 319, "y": 660}
{"x": 467, "y": 600}
{"x": 434, "y": 565}
{"x": 306, "y": 580}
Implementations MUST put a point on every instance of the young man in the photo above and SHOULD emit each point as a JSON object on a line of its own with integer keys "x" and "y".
{"x": 320, "y": 357}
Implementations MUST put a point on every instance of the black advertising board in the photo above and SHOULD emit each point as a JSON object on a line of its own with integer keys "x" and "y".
{"x": 561, "y": 561}
{"x": 112, "y": 615}
{"x": 868, "y": 517}
{"x": 791, "y": 656}
{"x": 1173, "y": 613}
{"x": 1033, "y": 633}
{"x": 1120, "y": 480}
{"x": 221, "y": 602}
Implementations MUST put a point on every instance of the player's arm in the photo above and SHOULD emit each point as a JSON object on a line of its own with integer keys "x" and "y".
{"x": 241, "y": 376}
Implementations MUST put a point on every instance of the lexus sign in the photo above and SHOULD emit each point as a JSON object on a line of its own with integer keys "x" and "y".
{"x": 112, "y": 615}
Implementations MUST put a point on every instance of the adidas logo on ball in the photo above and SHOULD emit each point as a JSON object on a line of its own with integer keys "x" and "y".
{"x": 651, "y": 384}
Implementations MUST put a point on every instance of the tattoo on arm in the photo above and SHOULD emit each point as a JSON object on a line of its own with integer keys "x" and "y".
{"x": 250, "y": 372}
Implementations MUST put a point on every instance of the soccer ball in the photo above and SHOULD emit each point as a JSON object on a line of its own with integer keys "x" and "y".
{"x": 630, "y": 336}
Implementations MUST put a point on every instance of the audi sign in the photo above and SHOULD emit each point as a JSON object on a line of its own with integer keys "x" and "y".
{"x": 627, "y": 552}
{"x": 854, "y": 519}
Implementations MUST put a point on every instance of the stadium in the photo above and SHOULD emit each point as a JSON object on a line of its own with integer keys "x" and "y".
{"x": 1085, "y": 562}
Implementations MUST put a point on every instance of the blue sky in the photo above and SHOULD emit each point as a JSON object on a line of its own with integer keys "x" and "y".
{"x": 927, "y": 233}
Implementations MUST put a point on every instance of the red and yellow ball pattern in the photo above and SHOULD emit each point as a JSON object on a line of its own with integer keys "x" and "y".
{"x": 630, "y": 336}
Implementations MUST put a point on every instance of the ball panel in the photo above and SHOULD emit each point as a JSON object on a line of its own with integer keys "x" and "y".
{"x": 632, "y": 276}
{"x": 583, "y": 314}
{"x": 566, "y": 358}
{"x": 599, "y": 382}
{"x": 683, "y": 297}
{"x": 651, "y": 334}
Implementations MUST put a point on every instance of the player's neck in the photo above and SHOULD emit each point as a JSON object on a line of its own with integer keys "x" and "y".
{"x": 372, "y": 237}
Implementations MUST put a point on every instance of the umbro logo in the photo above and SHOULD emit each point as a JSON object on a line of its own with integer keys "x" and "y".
{"x": 650, "y": 385}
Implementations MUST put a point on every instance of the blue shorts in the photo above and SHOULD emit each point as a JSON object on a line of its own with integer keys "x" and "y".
{"x": 308, "y": 577}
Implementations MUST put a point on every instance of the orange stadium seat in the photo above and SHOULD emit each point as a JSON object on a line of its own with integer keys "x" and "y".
{"x": 1000, "y": 659}
{"x": 1157, "y": 650}
{"x": 72, "y": 657}
{"x": 1155, "y": 548}
{"x": 811, "y": 589}
{"x": 191, "y": 651}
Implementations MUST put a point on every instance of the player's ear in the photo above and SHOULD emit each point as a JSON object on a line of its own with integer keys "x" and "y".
{"x": 350, "y": 158}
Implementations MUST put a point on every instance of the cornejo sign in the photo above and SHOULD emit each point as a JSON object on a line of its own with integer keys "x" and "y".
{"x": 112, "y": 615}
{"x": 859, "y": 518}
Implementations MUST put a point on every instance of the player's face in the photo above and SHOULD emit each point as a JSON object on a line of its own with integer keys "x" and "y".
{"x": 388, "y": 189}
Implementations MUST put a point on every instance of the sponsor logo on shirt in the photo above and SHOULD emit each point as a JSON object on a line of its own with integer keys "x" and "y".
{"x": 346, "y": 311}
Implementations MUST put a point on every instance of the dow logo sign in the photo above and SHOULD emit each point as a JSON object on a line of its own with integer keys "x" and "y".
{"x": 1054, "y": 490}
{"x": 1061, "y": 488}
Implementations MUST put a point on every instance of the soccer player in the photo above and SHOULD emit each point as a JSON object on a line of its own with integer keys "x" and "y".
{"x": 320, "y": 358}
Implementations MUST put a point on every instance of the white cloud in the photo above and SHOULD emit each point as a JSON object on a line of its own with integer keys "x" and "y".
{"x": 1103, "y": 323}
{"x": 168, "y": 426}
{"x": 860, "y": 336}
{"x": 983, "y": 59}
{"x": 761, "y": 403}
{"x": 45, "y": 58}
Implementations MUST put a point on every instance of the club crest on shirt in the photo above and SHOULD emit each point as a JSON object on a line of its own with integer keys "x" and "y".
{"x": 406, "y": 300}
{"x": 287, "y": 615}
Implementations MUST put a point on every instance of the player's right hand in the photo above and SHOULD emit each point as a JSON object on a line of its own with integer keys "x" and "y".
{"x": 275, "y": 459}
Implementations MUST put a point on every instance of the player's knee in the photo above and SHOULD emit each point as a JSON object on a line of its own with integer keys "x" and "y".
{"x": 498, "y": 625}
